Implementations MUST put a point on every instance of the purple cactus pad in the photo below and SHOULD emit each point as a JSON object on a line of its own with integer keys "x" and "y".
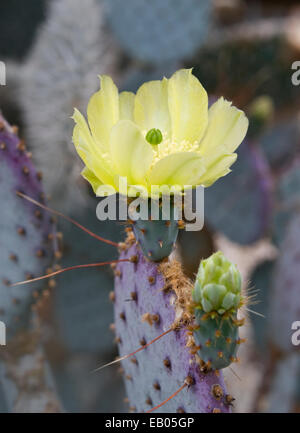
{"x": 146, "y": 305}
{"x": 27, "y": 233}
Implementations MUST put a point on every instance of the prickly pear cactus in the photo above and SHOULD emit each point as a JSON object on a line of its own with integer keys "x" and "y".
{"x": 217, "y": 295}
{"x": 151, "y": 299}
{"x": 157, "y": 237}
{"x": 27, "y": 234}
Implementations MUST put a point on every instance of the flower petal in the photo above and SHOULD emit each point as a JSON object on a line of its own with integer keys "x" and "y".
{"x": 126, "y": 101}
{"x": 130, "y": 152}
{"x": 88, "y": 175}
{"x": 218, "y": 169}
{"x": 89, "y": 151}
{"x": 227, "y": 126}
{"x": 188, "y": 106}
{"x": 182, "y": 168}
{"x": 151, "y": 106}
{"x": 103, "y": 110}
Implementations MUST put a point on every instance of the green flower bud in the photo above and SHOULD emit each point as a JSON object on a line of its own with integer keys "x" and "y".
{"x": 261, "y": 112}
{"x": 262, "y": 108}
{"x": 218, "y": 285}
{"x": 212, "y": 296}
{"x": 154, "y": 136}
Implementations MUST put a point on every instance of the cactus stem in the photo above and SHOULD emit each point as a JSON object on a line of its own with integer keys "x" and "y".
{"x": 143, "y": 346}
{"x": 60, "y": 271}
{"x": 107, "y": 241}
{"x": 169, "y": 398}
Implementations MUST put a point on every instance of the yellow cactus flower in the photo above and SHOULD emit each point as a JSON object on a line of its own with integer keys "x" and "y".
{"x": 163, "y": 135}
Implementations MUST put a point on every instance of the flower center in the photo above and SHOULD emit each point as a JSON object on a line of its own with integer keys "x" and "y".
{"x": 154, "y": 136}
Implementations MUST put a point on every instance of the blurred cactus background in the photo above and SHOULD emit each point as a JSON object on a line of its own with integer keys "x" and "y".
{"x": 53, "y": 52}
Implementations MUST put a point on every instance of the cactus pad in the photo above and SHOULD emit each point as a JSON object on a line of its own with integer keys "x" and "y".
{"x": 157, "y": 237}
{"x": 149, "y": 299}
{"x": 26, "y": 232}
{"x": 218, "y": 339}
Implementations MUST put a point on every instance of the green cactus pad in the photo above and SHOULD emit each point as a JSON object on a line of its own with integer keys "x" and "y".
{"x": 217, "y": 297}
{"x": 157, "y": 237}
{"x": 218, "y": 338}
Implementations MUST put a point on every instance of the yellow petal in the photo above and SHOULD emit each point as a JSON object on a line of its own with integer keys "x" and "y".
{"x": 182, "y": 168}
{"x": 151, "y": 106}
{"x": 103, "y": 110}
{"x": 130, "y": 152}
{"x": 218, "y": 169}
{"x": 88, "y": 175}
{"x": 126, "y": 101}
{"x": 188, "y": 106}
{"x": 227, "y": 126}
{"x": 89, "y": 151}
{"x": 82, "y": 139}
